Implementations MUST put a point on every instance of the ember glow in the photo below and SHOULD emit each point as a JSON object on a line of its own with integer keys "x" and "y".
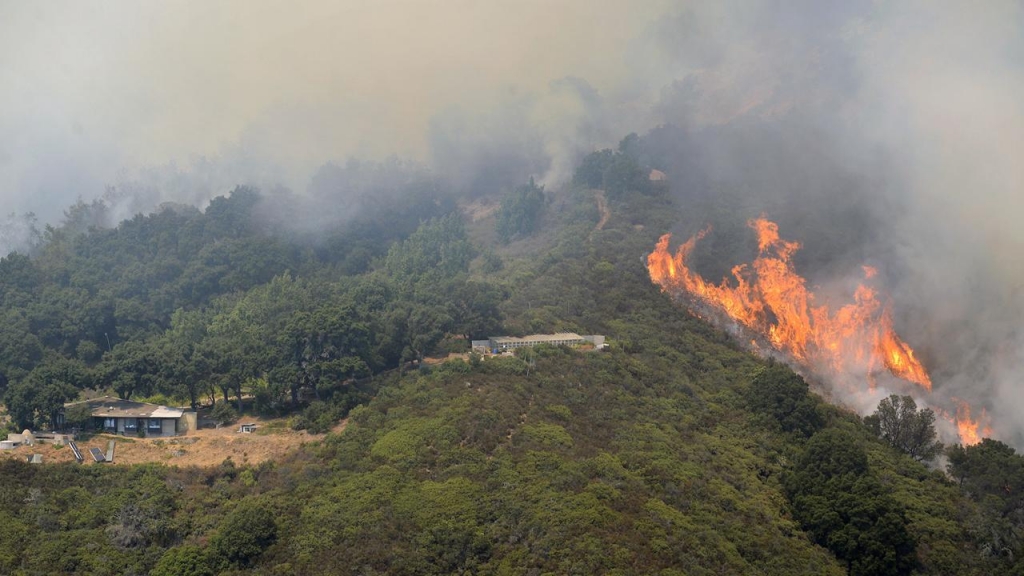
{"x": 771, "y": 300}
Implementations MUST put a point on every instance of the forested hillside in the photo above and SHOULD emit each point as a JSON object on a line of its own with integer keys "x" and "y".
{"x": 188, "y": 304}
{"x": 672, "y": 452}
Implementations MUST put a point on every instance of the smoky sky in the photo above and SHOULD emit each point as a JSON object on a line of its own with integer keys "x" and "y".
{"x": 94, "y": 93}
{"x": 907, "y": 115}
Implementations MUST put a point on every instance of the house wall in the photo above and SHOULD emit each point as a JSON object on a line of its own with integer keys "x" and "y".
{"x": 187, "y": 422}
{"x": 169, "y": 426}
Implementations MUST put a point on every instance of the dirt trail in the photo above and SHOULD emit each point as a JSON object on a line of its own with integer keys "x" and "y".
{"x": 206, "y": 447}
{"x": 602, "y": 207}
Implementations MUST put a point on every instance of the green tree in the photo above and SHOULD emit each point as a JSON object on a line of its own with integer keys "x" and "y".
{"x": 780, "y": 393}
{"x": 181, "y": 560}
{"x": 79, "y": 416}
{"x": 898, "y": 421}
{"x": 590, "y": 172}
{"x": 326, "y": 345}
{"x": 21, "y": 403}
{"x": 244, "y": 534}
{"x": 520, "y": 211}
{"x": 39, "y": 398}
{"x": 622, "y": 175}
{"x": 439, "y": 245}
{"x": 989, "y": 469}
{"x": 132, "y": 367}
{"x": 844, "y": 507}
{"x": 473, "y": 308}
{"x": 185, "y": 366}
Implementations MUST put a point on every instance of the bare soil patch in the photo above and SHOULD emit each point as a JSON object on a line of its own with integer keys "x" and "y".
{"x": 602, "y": 207}
{"x": 205, "y": 447}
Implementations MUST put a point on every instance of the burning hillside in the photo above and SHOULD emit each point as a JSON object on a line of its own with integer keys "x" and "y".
{"x": 854, "y": 344}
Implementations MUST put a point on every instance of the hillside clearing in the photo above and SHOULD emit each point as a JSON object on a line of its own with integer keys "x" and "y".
{"x": 206, "y": 447}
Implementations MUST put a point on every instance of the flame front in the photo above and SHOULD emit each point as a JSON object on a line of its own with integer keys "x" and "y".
{"x": 967, "y": 427}
{"x": 770, "y": 298}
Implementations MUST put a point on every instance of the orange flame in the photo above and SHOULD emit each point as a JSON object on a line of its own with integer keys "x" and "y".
{"x": 966, "y": 427}
{"x": 772, "y": 299}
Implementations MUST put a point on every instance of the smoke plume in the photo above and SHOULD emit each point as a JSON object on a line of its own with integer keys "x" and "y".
{"x": 874, "y": 133}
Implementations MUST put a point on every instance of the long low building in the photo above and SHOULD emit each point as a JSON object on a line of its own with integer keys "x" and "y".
{"x": 117, "y": 416}
{"x": 498, "y": 344}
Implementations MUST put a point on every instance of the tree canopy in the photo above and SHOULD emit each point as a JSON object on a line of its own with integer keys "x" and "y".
{"x": 898, "y": 421}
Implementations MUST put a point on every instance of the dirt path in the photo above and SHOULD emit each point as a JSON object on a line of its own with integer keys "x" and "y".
{"x": 206, "y": 447}
{"x": 602, "y": 207}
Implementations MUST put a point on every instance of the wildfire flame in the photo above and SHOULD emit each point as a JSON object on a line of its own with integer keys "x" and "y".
{"x": 968, "y": 428}
{"x": 768, "y": 297}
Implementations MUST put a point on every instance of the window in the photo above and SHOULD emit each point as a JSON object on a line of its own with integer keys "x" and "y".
{"x": 153, "y": 425}
{"x": 110, "y": 423}
{"x": 130, "y": 424}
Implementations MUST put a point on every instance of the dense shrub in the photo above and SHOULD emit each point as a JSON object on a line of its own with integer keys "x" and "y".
{"x": 244, "y": 534}
{"x": 224, "y": 414}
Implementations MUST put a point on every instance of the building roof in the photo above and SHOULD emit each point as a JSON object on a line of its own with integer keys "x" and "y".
{"x": 537, "y": 338}
{"x": 110, "y": 407}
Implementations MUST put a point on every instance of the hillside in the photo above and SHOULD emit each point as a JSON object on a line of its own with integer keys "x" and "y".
{"x": 673, "y": 452}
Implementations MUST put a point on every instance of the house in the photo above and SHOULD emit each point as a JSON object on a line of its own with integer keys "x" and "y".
{"x": 498, "y": 344}
{"x": 117, "y": 416}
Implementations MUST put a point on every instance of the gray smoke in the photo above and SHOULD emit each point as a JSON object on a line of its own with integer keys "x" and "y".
{"x": 879, "y": 133}
{"x": 890, "y": 132}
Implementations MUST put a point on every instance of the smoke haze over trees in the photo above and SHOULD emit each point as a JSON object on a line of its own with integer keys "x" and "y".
{"x": 873, "y": 133}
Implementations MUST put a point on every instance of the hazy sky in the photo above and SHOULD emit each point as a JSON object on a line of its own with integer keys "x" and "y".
{"x": 919, "y": 100}
{"x": 91, "y": 88}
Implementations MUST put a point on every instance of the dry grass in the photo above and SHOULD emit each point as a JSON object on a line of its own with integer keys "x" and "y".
{"x": 207, "y": 447}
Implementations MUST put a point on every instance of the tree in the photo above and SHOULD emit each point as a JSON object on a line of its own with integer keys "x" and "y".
{"x": 185, "y": 559}
{"x": 622, "y": 175}
{"x": 325, "y": 345}
{"x": 131, "y": 367}
{"x": 898, "y": 421}
{"x": 520, "y": 211}
{"x": 20, "y": 401}
{"x": 844, "y": 507}
{"x": 992, "y": 474}
{"x": 439, "y": 245}
{"x": 39, "y": 398}
{"x": 590, "y": 172}
{"x": 51, "y": 398}
{"x": 474, "y": 308}
{"x": 244, "y": 534}
{"x": 223, "y": 413}
{"x": 989, "y": 468}
{"x": 780, "y": 393}
{"x": 184, "y": 364}
{"x": 78, "y": 415}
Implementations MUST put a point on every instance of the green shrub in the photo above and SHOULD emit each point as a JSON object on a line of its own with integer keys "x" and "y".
{"x": 505, "y": 365}
{"x": 455, "y": 366}
{"x": 224, "y": 414}
{"x": 244, "y": 534}
{"x": 781, "y": 394}
{"x": 187, "y": 559}
{"x": 319, "y": 417}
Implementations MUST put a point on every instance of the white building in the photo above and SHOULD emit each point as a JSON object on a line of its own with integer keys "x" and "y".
{"x": 498, "y": 344}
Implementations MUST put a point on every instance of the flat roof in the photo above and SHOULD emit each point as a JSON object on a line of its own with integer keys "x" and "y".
{"x": 537, "y": 337}
{"x": 110, "y": 407}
